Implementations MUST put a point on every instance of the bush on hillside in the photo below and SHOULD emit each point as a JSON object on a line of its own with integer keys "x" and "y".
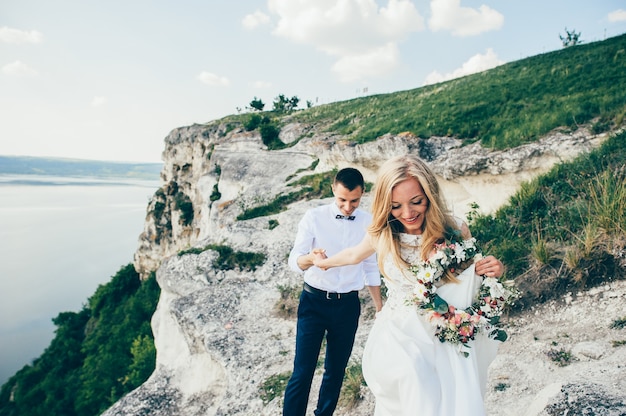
{"x": 97, "y": 355}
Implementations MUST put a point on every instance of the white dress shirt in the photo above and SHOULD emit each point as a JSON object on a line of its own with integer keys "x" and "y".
{"x": 319, "y": 228}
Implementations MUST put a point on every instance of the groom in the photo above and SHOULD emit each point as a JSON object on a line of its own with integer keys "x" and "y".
{"x": 329, "y": 304}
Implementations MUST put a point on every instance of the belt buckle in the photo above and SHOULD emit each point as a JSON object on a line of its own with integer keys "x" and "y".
{"x": 329, "y": 298}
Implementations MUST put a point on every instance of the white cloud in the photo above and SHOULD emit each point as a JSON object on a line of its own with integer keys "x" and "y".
{"x": 373, "y": 63}
{"x": 261, "y": 85}
{"x": 19, "y": 69}
{"x": 618, "y": 15}
{"x": 9, "y": 35}
{"x": 213, "y": 80}
{"x": 463, "y": 21}
{"x": 476, "y": 63}
{"x": 98, "y": 101}
{"x": 253, "y": 20}
{"x": 353, "y": 31}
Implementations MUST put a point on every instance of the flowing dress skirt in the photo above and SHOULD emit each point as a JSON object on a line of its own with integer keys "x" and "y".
{"x": 410, "y": 372}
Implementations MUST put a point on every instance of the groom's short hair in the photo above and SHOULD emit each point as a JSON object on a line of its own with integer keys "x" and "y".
{"x": 350, "y": 178}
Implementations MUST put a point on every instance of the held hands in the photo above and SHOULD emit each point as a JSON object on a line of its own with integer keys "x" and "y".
{"x": 319, "y": 254}
{"x": 489, "y": 266}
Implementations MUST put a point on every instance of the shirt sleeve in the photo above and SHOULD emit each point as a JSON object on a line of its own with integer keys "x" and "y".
{"x": 370, "y": 269}
{"x": 303, "y": 242}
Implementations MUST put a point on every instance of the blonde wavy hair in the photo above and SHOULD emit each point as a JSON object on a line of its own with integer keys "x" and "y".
{"x": 385, "y": 229}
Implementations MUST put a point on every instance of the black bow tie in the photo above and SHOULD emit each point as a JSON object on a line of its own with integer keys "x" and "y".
{"x": 344, "y": 217}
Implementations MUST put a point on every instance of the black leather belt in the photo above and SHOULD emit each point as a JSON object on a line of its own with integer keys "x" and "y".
{"x": 329, "y": 295}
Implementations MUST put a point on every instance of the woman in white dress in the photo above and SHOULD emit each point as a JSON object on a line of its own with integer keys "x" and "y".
{"x": 407, "y": 366}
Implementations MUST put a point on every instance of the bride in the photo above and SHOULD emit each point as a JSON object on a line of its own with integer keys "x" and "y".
{"x": 424, "y": 354}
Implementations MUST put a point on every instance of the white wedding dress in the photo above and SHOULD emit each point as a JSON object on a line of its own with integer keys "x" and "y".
{"x": 411, "y": 372}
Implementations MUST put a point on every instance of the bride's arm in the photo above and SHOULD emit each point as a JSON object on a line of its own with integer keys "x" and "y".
{"x": 351, "y": 255}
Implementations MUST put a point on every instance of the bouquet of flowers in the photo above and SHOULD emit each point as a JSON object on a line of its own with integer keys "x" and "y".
{"x": 459, "y": 326}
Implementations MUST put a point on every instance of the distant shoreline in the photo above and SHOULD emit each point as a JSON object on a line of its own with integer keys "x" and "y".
{"x": 80, "y": 169}
{"x": 50, "y": 180}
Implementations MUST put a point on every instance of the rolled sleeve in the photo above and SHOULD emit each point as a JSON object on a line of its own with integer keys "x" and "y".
{"x": 302, "y": 244}
{"x": 370, "y": 269}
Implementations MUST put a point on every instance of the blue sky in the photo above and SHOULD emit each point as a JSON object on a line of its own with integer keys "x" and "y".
{"x": 109, "y": 80}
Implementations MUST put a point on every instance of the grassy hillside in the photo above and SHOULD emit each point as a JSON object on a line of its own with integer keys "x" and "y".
{"x": 503, "y": 107}
{"x": 565, "y": 230}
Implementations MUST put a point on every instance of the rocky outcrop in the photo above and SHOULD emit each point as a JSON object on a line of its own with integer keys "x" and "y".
{"x": 217, "y": 335}
{"x": 221, "y": 173}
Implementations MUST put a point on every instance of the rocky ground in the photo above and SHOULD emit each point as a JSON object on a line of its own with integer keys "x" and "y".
{"x": 565, "y": 357}
{"x": 572, "y": 341}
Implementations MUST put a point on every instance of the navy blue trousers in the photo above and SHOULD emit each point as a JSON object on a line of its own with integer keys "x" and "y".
{"x": 338, "y": 319}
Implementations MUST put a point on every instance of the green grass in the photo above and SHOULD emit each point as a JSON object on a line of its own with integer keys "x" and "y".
{"x": 274, "y": 386}
{"x": 502, "y": 108}
{"x": 563, "y": 230}
{"x": 229, "y": 259}
{"x": 309, "y": 187}
{"x": 353, "y": 379}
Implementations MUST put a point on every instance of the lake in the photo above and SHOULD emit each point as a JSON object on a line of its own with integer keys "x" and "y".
{"x": 60, "y": 238}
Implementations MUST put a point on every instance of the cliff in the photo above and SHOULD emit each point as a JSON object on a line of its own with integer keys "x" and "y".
{"x": 217, "y": 333}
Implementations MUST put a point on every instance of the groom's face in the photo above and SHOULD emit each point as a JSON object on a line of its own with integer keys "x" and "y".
{"x": 347, "y": 201}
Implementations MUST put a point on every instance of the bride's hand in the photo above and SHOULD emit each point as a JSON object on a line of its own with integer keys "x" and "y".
{"x": 490, "y": 267}
{"x": 319, "y": 254}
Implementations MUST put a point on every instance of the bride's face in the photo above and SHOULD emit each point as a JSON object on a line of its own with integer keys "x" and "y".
{"x": 409, "y": 205}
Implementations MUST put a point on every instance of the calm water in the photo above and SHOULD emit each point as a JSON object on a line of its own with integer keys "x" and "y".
{"x": 59, "y": 239}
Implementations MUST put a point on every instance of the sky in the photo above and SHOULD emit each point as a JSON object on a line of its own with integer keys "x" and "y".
{"x": 108, "y": 80}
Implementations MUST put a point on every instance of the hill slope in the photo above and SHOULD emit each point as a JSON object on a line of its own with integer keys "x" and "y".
{"x": 503, "y": 107}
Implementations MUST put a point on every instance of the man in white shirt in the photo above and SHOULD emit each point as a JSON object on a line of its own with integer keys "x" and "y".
{"x": 329, "y": 304}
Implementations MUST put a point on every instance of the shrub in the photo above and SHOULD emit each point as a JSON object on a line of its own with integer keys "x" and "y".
{"x": 619, "y": 323}
{"x": 228, "y": 259}
{"x": 97, "y": 355}
{"x": 215, "y": 195}
{"x": 185, "y": 206}
{"x": 253, "y": 121}
{"x": 561, "y": 357}
{"x": 269, "y": 136}
{"x": 501, "y": 386}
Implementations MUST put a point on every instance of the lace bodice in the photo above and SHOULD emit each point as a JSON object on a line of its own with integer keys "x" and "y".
{"x": 400, "y": 282}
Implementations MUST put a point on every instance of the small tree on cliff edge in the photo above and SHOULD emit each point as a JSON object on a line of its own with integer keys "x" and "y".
{"x": 283, "y": 104}
{"x": 257, "y": 104}
{"x": 570, "y": 39}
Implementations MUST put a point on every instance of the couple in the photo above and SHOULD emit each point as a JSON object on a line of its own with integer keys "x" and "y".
{"x": 405, "y": 365}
